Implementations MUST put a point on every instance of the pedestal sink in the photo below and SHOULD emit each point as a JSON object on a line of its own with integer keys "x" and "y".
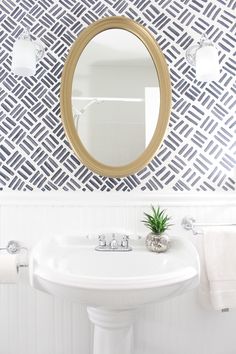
{"x": 113, "y": 284}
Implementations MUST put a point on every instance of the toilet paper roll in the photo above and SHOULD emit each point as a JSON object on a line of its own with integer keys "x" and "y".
{"x": 8, "y": 269}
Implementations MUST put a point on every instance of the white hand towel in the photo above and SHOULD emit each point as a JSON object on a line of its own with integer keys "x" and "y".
{"x": 204, "y": 287}
{"x": 220, "y": 260}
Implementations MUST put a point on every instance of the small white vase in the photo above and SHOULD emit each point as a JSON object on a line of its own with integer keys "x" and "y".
{"x": 157, "y": 242}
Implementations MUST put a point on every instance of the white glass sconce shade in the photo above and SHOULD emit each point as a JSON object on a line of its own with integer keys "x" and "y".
{"x": 24, "y": 58}
{"x": 207, "y": 64}
{"x": 204, "y": 56}
{"x": 26, "y": 53}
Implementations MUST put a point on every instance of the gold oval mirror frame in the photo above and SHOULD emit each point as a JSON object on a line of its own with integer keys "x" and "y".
{"x": 116, "y": 22}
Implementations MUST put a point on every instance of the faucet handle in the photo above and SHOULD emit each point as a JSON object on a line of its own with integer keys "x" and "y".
{"x": 125, "y": 241}
{"x": 102, "y": 240}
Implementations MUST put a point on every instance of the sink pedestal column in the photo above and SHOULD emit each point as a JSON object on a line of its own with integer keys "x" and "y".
{"x": 113, "y": 330}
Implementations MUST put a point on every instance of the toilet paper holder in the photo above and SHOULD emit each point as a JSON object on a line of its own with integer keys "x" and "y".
{"x": 14, "y": 247}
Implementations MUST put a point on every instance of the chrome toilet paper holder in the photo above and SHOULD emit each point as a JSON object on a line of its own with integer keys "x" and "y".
{"x": 13, "y": 247}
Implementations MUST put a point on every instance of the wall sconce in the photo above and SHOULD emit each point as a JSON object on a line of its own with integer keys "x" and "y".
{"x": 204, "y": 56}
{"x": 26, "y": 53}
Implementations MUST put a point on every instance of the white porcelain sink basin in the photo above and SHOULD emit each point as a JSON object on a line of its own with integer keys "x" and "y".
{"x": 112, "y": 284}
{"x": 70, "y": 267}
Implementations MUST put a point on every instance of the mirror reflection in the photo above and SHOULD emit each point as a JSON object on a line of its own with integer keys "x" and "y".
{"x": 115, "y": 97}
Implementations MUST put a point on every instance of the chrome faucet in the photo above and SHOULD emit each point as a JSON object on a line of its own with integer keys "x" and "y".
{"x": 113, "y": 245}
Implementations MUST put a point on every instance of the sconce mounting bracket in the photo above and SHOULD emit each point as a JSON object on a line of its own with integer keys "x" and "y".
{"x": 191, "y": 54}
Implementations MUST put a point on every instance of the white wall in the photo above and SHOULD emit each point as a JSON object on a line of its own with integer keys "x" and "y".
{"x": 32, "y": 322}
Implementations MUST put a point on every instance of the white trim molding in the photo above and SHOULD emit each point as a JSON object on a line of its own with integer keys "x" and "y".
{"x": 117, "y": 198}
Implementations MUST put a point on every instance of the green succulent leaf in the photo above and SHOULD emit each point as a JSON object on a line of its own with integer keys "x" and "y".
{"x": 158, "y": 221}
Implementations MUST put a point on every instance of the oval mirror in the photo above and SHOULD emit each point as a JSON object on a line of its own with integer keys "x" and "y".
{"x": 115, "y": 97}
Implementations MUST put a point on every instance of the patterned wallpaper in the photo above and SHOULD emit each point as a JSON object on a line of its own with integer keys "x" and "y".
{"x": 198, "y": 153}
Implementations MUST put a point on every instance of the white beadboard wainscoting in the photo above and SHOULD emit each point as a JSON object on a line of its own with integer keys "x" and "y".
{"x": 32, "y": 322}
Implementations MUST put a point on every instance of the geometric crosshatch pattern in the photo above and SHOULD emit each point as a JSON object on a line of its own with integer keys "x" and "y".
{"x": 199, "y": 151}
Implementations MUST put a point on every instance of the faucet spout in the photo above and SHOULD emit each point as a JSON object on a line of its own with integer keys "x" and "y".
{"x": 113, "y": 243}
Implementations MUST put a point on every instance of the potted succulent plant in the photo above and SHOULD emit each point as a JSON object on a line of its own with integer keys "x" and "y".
{"x": 158, "y": 222}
